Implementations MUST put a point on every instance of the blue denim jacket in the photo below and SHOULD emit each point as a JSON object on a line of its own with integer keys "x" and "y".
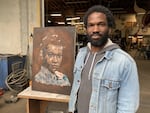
{"x": 115, "y": 84}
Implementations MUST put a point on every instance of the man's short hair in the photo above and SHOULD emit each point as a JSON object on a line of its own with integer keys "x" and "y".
{"x": 100, "y": 9}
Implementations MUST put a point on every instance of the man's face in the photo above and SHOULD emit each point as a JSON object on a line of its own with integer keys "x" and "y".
{"x": 53, "y": 56}
{"x": 97, "y": 29}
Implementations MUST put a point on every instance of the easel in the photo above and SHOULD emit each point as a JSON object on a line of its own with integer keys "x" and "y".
{"x": 36, "y": 99}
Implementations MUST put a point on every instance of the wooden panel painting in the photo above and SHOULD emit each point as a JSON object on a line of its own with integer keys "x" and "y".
{"x": 53, "y": 59}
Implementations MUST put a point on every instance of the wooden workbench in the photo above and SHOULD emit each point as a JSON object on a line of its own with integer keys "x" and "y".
{"x": 37, "y": 100}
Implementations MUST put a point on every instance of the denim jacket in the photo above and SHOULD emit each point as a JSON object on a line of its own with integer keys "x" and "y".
{"x": 115, "y": 84}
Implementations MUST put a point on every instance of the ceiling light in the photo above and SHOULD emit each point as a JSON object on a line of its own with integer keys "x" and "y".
{"x": 62, "y": 23}
{"x": 78, "y": 23}
{"x": 69, "y": 23}
{"x": 56, "y": 14}
{"x": 75, "y": 18}
{"x": 140, "y": 13}
{"x": 49, "y": 21}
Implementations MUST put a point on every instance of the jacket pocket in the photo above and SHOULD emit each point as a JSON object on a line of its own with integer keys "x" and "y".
{"x": 108, "y": 96}
{"x": 109, "y": 88}
{"x": 110, "y": 84}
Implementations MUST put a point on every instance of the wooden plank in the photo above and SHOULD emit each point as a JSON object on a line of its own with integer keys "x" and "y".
{"x": 28, "y": 93}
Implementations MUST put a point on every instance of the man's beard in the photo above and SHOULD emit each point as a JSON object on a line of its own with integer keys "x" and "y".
{"x": 101, "y": 41}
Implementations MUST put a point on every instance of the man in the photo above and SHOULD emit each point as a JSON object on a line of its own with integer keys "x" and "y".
{"x": 105, "y": 77}
{"x": 52, "y": 51}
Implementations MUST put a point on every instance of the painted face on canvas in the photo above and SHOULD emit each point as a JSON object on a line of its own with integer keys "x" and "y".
{"x": 54, "y": 56}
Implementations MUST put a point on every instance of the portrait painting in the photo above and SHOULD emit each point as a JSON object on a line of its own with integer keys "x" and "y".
{"x": 53, "y": 59}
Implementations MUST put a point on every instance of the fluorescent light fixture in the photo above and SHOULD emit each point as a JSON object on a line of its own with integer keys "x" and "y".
{"x": 79, "y": 23}
{"x": 69, "y": 22}
{"x": 75, "y": 23}
{"x": 140, "y": 36}
{"x": 129, "y": 36}
{"x": 74, "y": 18}
{"x": 62, "y": 23}
{"x": 56, "y": 14}
{"x": 140, "y": 13}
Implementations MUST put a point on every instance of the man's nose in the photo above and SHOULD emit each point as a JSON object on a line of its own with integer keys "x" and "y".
{"x": 96, "y": 28}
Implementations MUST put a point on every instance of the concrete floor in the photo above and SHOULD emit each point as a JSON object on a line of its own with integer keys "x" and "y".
{"x": 18, "y": 107}
{"x": 144, "y": 77}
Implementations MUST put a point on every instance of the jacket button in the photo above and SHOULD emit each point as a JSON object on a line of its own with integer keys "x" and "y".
{"x": 110, "y": 85}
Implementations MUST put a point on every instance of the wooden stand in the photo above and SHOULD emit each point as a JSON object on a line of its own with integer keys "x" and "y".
{"x": 37, "y": 100}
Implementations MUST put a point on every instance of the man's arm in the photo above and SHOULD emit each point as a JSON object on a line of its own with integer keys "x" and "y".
{"x": 128, "y": 98}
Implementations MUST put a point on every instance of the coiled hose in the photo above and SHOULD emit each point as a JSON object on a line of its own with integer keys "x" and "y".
{"x": 17, "y": 80}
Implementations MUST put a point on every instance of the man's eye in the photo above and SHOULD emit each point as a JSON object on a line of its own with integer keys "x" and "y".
{"x": 90, "y": 25}
{"x": 102, "y": 24}
{"x": 98, "y": 24}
